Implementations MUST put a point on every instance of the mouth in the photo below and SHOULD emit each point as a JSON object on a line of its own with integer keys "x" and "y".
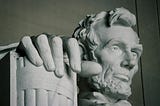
{"x": 122, "y": 77}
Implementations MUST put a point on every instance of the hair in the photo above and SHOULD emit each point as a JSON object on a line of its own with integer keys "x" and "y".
{"x": 86, "y": 36}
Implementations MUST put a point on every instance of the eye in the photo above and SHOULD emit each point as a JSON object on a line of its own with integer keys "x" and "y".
{"x": 134, "y": 54}
{"x": 116, "y": 49}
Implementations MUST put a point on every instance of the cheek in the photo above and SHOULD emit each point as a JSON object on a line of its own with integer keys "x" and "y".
{"x": 105, "y": 58}
{"x": 133, "y": 71}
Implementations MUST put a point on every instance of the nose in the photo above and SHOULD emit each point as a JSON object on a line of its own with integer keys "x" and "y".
{"x": 128, "y": 61}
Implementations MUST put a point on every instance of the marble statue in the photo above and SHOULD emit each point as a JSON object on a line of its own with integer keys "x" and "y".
{"x": 101, "y": 58}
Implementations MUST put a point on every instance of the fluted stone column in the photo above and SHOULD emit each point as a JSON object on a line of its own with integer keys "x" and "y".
{"x": 34, "y": 86}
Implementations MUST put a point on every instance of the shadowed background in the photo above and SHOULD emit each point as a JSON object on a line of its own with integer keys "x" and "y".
{"x": 61, "y": 17}
{"x": 32, "y": 17}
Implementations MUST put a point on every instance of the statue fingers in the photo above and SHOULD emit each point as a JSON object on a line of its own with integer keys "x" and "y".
{"x": 26, "y": 46}
{"x": 90, "y": 68}
{"x": 73, "y": 51}
{"x": 43, "y": 47}
{"x": 57, "y": 53}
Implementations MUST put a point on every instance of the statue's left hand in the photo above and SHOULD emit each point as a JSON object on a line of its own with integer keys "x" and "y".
{"x": 42, "y": 49}
{"x": 50, "y": 50}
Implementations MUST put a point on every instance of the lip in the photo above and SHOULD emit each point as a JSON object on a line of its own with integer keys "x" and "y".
{"x": 122, "y": 77}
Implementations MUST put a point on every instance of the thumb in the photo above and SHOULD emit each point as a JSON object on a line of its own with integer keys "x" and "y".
{"x": 90, "y": 68}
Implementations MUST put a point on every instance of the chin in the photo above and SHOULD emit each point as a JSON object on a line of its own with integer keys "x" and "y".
{"x": 111, "y": 87}
{"x": 116, "y": 89}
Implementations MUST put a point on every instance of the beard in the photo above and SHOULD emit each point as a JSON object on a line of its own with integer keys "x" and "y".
{"x": 110, "y": 86}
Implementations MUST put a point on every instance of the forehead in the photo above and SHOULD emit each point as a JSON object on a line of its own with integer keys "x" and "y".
{"x": 120, "y": 33}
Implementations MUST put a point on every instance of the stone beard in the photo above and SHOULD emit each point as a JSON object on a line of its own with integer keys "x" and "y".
{"x": 104, "y": 51}
{"x": 115, "y": 47}
{"x": 111, "y": 85}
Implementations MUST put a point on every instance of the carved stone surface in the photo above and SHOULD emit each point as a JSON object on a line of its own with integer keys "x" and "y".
{"x": 104, "y": 51}
{"x": 108, "y": 39}
{"x": 35, "y": 86}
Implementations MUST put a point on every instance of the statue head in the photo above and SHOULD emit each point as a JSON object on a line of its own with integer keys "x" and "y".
{"x": 108, "y": 38}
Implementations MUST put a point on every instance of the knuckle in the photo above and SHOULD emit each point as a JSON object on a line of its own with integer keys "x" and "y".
{"x": 25, "y": 38}
{"x": 72, "y": 41}
{"x": 57, "y": 40}
{"x": 42, "y": 44}
{"x": 51, "y": 36}
{"x": 41, "y": 38}
{"x": 26, "y": 41}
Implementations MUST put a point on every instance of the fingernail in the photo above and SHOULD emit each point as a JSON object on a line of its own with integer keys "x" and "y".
{"x": 59, "y": 72}
{"x": 76, "y": 68}
{"x": 38, "y": 61}
{"x": 50, "y": 67}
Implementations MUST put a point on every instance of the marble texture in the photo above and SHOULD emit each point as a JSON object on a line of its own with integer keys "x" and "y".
{"x": 103, "y": 52}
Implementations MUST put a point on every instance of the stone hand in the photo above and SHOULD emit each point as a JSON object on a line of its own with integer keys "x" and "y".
{"x": 51, "y": 50}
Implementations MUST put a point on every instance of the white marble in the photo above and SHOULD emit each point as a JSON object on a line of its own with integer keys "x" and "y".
{"x": 103, "y": 52}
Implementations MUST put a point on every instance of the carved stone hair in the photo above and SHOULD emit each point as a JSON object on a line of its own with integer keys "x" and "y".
{"x": 85, "y": 35}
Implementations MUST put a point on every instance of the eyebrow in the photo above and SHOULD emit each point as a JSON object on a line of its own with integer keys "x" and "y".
{"x": 138, "y": 47}
{"x": 113, "y": 41}
{"x": 116, "y": 41}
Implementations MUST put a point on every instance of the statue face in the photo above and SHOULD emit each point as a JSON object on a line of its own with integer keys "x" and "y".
{"x": 118, "y": 53}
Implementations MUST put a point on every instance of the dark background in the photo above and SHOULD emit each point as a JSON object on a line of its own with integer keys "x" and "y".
{"x": 60, "y": 17}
